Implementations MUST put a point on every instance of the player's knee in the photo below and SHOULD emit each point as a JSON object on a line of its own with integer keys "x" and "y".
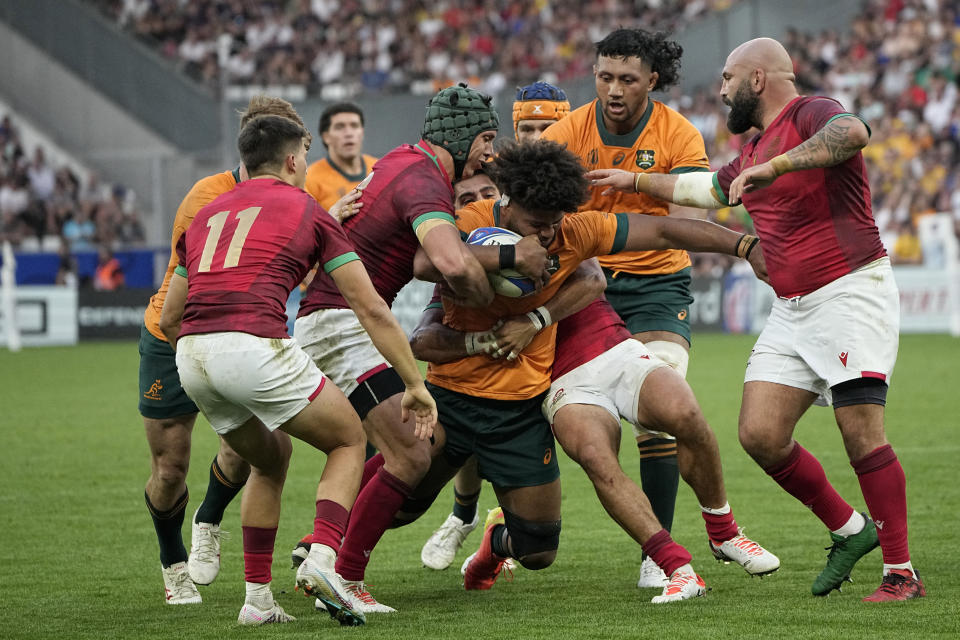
{"x": 233, "y": 466}
{"x": 537, "y": 561}
{"x": 596, "y": 460}
{"x": 534, "y": 543}
{"x": 412, "y": 508}
{"x": 753, "y": 440}
{"x": 170, "y": 473}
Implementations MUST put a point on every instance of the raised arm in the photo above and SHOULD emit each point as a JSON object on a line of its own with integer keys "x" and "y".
{"x": 373, "y": 313}
{"x": 694, "y": 189}
{"x": 173, "y": 305}
{"x": 837, "y": 141}
{"x": 663, "y": 232}
{"x": 527, "y": 257}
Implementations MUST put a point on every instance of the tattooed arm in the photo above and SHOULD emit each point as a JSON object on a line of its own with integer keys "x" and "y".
{"x": 837, "y": 141}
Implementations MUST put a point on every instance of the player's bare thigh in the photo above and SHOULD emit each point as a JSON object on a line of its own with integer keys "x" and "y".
{"x": 328, "y": 422}
{"x": 540, "y": 503}
{"x": 666, "y": 403}
{"x": 405, "y": 456}
{"x": 769, "y": 413}
{"x": 588, "y": 434}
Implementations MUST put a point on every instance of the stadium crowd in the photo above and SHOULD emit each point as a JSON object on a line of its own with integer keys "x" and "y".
{"x": 388, "y": 45}
{"x": 50, "y": 208}
{"x": 897, "y": 66}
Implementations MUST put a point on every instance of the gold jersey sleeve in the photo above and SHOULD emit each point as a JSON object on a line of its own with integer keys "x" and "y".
{"x": 582, "y": 236}
{"x": 666, "y": 143}
{"x": 327, "y": 183}
{"x": 200, "y": 195}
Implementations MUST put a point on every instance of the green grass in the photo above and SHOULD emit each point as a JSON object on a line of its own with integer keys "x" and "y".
{"x": 79, "y": 556}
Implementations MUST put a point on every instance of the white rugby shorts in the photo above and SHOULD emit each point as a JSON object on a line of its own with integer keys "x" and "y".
{"x": 845, "y": 330}
{"x": 232, "y": 376}
{"x": 339, "y": 345}
{"x": 612, "y": 380}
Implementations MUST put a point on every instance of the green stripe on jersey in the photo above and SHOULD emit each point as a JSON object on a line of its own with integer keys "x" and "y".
{"x": 721, "y": 196}
{"x": 181, "y": 270}
{"x": 851, "y": 115}
{"x": 339, "y": 261}
{"x": 432, "y": 215}
{"x": 620, "y": 237}
{"x": 676, "y": 170}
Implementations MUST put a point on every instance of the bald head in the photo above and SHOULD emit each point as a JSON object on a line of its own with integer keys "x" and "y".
{"x": 766, "y": 54}
{"x": 758, "y": 82}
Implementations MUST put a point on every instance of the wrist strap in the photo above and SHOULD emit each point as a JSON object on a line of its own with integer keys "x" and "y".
{"x": 781, "y": 164}
{"x": 540, "y": 318}
{"x": 640, "y": 181}
{"x": 745, "y": 245}
{"x": 508, "y": 256}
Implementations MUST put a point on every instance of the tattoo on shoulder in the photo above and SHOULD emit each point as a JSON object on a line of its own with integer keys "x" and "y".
{"x": 828, "y": 147}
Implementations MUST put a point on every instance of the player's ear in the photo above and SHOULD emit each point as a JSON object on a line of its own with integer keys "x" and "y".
{"x": 759, "y": 80}
{"x": 654, "y": 76}
{"x": 290, "y": 162}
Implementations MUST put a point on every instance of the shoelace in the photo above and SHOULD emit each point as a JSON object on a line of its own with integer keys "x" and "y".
{"x": 361, "y": 593}
{"x": 746, "y": 544}
{"x": 182, "y": 585}
{"x": 678, "y": 582}
{"x": 208, "y": 546}
{"x": 891, "y": 583}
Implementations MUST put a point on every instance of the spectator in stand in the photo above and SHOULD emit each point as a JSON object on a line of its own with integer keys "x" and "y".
{"x": 109, "y": 273}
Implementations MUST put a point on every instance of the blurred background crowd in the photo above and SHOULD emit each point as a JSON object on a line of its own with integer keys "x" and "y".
{"x": 897, "y": 66}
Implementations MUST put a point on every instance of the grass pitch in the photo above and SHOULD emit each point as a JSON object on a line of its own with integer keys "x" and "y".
{"x": 80, "y": 559}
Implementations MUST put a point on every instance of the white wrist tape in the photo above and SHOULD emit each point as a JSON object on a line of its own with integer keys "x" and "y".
{"x": 540, "y": 318}
{"x": 695, "y": 189}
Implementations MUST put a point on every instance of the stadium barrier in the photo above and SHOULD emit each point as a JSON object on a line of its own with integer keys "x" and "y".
{"x": 735, "y": 302}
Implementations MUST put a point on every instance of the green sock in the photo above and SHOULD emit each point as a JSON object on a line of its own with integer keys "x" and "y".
{"x": 659, "y": 477}
{"x": 465, "y": 507}
{"x": 168, "y": 525}
{"x": 220, "y": 491}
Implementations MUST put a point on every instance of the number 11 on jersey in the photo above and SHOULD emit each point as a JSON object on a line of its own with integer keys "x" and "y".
{"x": 216, "y": 223}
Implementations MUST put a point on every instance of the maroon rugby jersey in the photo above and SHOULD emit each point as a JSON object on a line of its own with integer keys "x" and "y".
{"x": 815, "y": 225}
{"x": 590, "y": 332}
{"x": 408, "y": 188}
{"x": 247, "y": 250}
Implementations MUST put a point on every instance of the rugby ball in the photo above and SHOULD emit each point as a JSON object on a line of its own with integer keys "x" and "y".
{"x": 505, "y": 282}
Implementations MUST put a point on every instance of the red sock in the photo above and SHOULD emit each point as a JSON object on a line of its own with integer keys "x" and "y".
{"x": 802, "y": 477}
{"x": 330, "y": 524}
{"x": 720, "y": 527}
{"x": 370, "y": 468}
{"x": 668, "y": 555}
{"x": 884, "y": 489}
{"x": 258, "y": 553}
{"x": 372, "y": 515}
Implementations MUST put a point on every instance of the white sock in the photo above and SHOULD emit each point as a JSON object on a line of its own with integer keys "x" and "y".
{"x": 853, "y": 526}
{"x": 906, "y": 565}
{"x": 323, "y": 555}
{"x": 259, "y": 595}
{"x": 722, "y": 511}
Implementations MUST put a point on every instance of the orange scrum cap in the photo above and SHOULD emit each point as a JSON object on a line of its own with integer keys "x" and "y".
{"x": 539, "y": 101}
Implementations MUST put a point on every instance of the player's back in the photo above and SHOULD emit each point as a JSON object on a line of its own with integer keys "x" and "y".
{"x": 247, "y": 250}
{"x": 203, "y": 192}
{"x": 408, "y": 188}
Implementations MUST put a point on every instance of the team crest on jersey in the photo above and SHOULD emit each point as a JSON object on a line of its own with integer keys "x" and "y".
{"x": 557, "y": 396}
{"x": 646, "y": 158}
{"x": 155, "y": 392}
{"x": 617, "y": 159}
{"x": 593, "y": 157}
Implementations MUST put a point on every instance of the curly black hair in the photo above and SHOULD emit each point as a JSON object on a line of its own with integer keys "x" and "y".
{"x": 661, "y": 54}
{"x": 540, "y": 176}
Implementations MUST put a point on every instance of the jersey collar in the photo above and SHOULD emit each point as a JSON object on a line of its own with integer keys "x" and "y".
{"x": 424, "y": 148}
{"x": 626, "y": 140}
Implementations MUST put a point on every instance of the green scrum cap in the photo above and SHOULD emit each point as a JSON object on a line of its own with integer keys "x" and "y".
{"x": 455, "y": 117}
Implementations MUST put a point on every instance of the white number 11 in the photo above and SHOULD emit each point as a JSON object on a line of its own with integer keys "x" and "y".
{"x": 215, "y": 224}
